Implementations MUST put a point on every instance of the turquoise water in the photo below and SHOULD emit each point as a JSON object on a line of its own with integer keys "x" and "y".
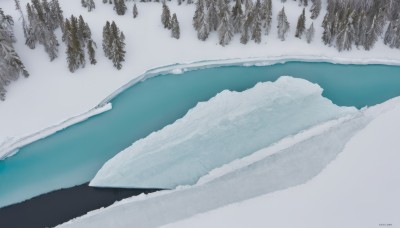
{"x": 74, "y": 155}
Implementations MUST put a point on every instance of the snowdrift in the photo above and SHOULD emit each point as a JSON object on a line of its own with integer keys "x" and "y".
{"x": 231, "y": 125}
{"x": 291, "y": 162}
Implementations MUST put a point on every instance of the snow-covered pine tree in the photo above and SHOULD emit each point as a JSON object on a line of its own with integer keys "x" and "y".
{"x": 310, "y": 33}
{"x": 375, "y": 29}
{"x": 212, "y": 17}
{"x": 203, "y": 30}
{"x": 104, "y": 1}
{"x": 256, "y": 33}
{"x": 237, "y": 17}
{"x": 198, "y": 15}
{"x": 117, "y": 47}
{"x": 84, "y": 3}
{"x": 244, "y": 37}
{"x": 135, "y": 11}
{"x": 315, "y": 8}
{"x": 91, "y": 52}
{"x": 57, "y": 14}
{"x": 120, "y": 7}
{"x": 107, "y": 39}
{"x": 166, "y": 16}
{"x": 11, "y": 66}
{"x": 345, "y": 34}
{"x": 392, "y": 34}
{"x": 175, "y": 30}
{"x": 90, "y": 5}
{"x": 225, "y": 29}
{"x": 75, "y": 53}
{"x": 25, "y": 25}
{"x": 267, "y": 15}
{"x": 283, "y": 24}
{"x": 301, "y": 24}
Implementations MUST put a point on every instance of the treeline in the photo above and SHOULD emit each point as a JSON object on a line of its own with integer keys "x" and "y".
{"x": 11, "y": 66}
{"x": 361, "y": 23}
{"x": 249, "y": 19}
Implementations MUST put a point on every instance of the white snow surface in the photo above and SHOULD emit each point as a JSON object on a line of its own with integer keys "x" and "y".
{"x": 358, "y": 189}
{"x": 52, "y": 94}
{"x": 229, "y": 126}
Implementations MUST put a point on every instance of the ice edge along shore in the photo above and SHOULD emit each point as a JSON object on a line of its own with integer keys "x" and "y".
{"x": 9, "y": 146}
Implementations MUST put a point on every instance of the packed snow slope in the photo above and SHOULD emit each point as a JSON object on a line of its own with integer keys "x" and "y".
{"x": 229, "y": 126}
{"x": 358, "y": 189}
{"x": 52, "y": 94}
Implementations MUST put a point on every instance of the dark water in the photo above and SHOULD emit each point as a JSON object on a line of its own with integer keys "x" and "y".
{"x": 60, "y": 206}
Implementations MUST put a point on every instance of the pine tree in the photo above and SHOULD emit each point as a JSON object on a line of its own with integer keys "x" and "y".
{"x": 225, "y": 29}
{"x": 57, "y": 14}
{"x": 91, "y": 52}
{"x": 237, "y": 17}
{"x": 310, "y": 33}
{"x": 166, "y": 16}
{"x": 107, "y": 39}
{"x": 256, "y": 34}
{"x": 212, "y": 17}
{"x": 91, "y": 5}
{"x": 120, "y": 7}
{"x": 117, "y": 47}
{"x": 135, "y": 11}
{"x": 75, "y": 53}
{"x": 203, "y": 30}
{"x": 11, "y": 66}
{"x": 283, "y": 24}
{"x": 301, "y": 25}
{"x": 267, "y": 15}
{"x": 345, "y": 34}
{"x": 315, "y": 8}
{"x": 198, "y": 15}
{"x": 244, "y": 38}
{"x": 175, "y": 30}
{"x": 84, "y": 3}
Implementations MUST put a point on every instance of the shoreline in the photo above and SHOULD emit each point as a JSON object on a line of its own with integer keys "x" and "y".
{"x": 11, "y": 147}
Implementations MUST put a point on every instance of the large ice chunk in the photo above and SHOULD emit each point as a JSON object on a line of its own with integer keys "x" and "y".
{"x": 229, "y": 126}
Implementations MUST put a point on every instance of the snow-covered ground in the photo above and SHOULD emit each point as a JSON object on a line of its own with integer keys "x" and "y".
{"x": 229, "y": 126}
{"x": 52, "y": 94}
{"x": 358, "y": 189}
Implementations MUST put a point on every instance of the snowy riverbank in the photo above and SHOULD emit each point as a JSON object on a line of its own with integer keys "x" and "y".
{"x": 52, "y": 95}
{"x": 365, "y": 167}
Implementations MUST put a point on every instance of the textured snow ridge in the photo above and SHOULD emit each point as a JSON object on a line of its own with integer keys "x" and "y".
{"x": 10, "y": 145}
{"x": 229, "y": 126}
{"x": 288, "y": 167}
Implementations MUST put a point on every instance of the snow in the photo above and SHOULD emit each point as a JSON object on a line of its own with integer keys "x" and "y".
{"x": 9, "y": 146}
{"x": 359, "y": 189}
{"x": 52, "y": 94}
{"x": 229, "y": 126}
{"x": 342, "y": 173}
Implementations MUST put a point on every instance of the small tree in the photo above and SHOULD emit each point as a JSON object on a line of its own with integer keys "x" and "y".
{"x": 315, "y": 8}
{"x": 310, "y": 33}
{"x": 135, "y": 11}
{"x": 283, "y": 24}
{"x": 117, "y": 46}
{"x": 91, "y": 52}
{"x": 301, "y": 25}
{"x": 166, "y": 16}
{"x": 175, "y": 30}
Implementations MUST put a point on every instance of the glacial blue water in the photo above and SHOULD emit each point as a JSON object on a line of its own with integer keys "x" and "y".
{"x": 74, "y": 155}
